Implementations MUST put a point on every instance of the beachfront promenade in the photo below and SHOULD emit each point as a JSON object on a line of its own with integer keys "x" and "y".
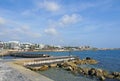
{"x": 33, "y": 76}
{"x": 13, "y": 72}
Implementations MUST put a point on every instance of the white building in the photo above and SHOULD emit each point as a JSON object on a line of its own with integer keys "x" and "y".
{"x": 41, "y": 46}
{"x": 1, "y": 45}
{"x": 25, "y": 46}
{"x": 14, "y": 45}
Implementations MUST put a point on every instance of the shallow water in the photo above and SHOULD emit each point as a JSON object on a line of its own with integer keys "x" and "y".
{"x": 58, "y": 74}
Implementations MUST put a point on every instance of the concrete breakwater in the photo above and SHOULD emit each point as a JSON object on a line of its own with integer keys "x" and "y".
{"x": 24, "y": 55}
{"x": 48, "y": 60}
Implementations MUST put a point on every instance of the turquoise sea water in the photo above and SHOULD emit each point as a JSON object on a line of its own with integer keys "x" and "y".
{"x": 108, "y": 60}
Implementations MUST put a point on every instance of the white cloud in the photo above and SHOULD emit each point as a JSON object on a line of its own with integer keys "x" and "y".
{"x": 70, "y": 19}
{"x": 2, "y": 21}
{"x": 51, "y": 31}
{"x": 65, "y": 20}
{"x": 49, "y": 6}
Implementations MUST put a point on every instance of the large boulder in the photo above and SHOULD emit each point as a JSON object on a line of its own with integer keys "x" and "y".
{"x": 116, "y": 75}
{"x": 43, "y": 68}
{"x": 85, "y": 71}
{"x": 68, "y": 68}
{"x": 53, "y": 65}
{"x": 100, "y": 72}
{"x": 102, "y": 78}
{"x": 109, "y": 76}
{"x": 88, "y": 58}
{"x": 72, "y": 64}
{"x": 86, "y": 61}
{"x": 92, "y": 71}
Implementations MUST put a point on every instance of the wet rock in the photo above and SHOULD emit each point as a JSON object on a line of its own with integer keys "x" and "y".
{"x": 80, "y": 70}
{"x": 85, "y": 71}
{"x": 71, "y": 64}
{"x": 60, "y": 65}
{"x": 88, "y": 58}
{"x": 102, "y": 78}
{"x": 34, "y": 68}
{"x": 84, "y": 61}
{"x": 68, "y": 68}
{"x": 109, "y": 76}
{"x": 43, "y": 68}
{"x": 53, "y": 65}
{"x": 100, "y": 72}
{"x": 40, "y": 68}
{"x": 92, "y": 71}
{"x": 116, "y": 74}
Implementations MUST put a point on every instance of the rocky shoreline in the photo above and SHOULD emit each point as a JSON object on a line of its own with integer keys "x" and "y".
{"x": 75, "y": 69}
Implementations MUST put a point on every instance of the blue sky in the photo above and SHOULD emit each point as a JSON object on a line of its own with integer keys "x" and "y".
{"x": 61, "y": 22}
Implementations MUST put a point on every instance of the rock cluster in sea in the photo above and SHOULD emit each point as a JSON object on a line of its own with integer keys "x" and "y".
{"x": 93, "y": 72}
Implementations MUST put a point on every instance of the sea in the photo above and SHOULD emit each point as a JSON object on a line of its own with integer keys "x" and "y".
{"x": 108, "y": 60}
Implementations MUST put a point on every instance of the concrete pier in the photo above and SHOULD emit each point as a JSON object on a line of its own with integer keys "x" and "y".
{"x": 48, "y": 60}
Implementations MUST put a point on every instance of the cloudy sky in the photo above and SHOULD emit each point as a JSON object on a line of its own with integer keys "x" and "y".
{"x": 61, "y": 22}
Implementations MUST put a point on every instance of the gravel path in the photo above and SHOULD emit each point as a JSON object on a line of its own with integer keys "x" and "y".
{"x": 9, "y": 74}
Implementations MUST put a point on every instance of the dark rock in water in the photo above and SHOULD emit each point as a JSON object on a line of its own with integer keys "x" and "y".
{"x": 88, "y": 58}
{"x": 116, "y": 74}
{"x": 91, "y": 71}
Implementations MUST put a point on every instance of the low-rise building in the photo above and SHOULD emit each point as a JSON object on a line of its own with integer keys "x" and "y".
{"x": 14, "y": 45}
{"x": 1, "y": 45}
